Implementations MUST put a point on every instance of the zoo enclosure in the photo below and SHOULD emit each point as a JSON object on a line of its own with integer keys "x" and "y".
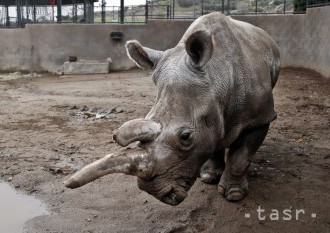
{"x": 17, "y": 13}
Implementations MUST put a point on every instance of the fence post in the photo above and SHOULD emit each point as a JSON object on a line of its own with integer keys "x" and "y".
{"x": 85, "y": 11}
{"x": 103, "y": 11}
{"x": 147, "y": 13}
{"x": 74, "y": 11}
{"x": 168, "y": 11}
{"x": 284, "y": 7}
{"x": 122, "y": 13}
{"x": 223, "y": 6}
{"x": 173, "y": 8}
{"x": 7, "y": 16}
{"x": 194, "y": 6}
{"x": 19, "y": 16}
{"x": 202, "y": 6}
{"x": 59, "y": 11}
{"x": 256, "y": 7}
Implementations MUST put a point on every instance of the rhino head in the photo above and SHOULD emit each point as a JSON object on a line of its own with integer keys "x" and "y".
{"x": 178, "y": 134}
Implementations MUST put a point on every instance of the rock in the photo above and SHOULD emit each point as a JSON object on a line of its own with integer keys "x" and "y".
{"x": 74, "y": 107}
{"x": 99, "y": 116}
{"x": 84, "y": 108}
{"x": 89, "y": 115}
{"x": 119, "y": 110}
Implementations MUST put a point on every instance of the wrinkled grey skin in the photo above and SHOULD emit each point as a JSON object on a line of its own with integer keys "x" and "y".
{"x": 214, "y": 92}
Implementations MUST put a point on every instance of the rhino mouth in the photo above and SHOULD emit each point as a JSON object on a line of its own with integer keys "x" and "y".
{"x": 171, "y": 193}
{"x": 173, "y": 197}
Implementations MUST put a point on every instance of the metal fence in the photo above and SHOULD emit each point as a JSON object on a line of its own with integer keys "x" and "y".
{"x": 117, "y": 14}
{"x": 17, "y": 13}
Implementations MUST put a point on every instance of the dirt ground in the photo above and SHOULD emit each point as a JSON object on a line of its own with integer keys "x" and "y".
{"x": 52, "y": 126}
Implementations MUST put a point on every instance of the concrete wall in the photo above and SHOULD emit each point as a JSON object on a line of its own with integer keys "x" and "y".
{"x": 303, "y": 41}
{"x": 45, "y": 47}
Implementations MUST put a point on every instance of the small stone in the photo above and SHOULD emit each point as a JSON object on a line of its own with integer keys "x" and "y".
{"x": 84, "y": 108}
{"x": 74, "y": 107}
{"x": 99, "y": 116}
{"x": 88, "y": 115}
{"x": 119, "y": 110}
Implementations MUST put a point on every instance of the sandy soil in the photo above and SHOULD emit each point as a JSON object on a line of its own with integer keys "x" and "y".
{"x": 51, "y": 126}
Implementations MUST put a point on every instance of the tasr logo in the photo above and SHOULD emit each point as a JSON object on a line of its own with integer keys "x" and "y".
{"x": 277, "y": 215}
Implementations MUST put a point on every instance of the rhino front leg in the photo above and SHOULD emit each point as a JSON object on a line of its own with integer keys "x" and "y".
{"x": 233, "y": 184}
{"x": 213, "y": 168}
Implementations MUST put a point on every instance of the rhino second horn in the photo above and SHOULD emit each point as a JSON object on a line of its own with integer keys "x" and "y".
{"x": 133, "y": 162}
{"x": 137, "y": 130}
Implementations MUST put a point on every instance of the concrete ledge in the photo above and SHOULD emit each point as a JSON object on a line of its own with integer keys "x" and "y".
{"x": 86, "y": 67}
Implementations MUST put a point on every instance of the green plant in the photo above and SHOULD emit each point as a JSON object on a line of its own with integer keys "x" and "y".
{"x": 253, "y": 8}
{"x": 185, "y": 3}
{"x": 299, "y": 5}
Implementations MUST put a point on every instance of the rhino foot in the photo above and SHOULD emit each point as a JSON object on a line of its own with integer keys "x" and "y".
{"x": 213, "y": 168}
{"x": 233, "y": 191}
{"x": 211, "y": 173}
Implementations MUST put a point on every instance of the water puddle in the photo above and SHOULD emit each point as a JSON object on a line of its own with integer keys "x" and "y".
{"x": 17, "y": 208}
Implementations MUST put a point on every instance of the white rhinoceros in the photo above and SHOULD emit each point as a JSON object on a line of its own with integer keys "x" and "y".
{"x": 214, "y": 92}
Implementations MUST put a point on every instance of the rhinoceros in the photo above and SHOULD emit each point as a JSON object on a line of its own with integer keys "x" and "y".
{"x": 212, "y": 112}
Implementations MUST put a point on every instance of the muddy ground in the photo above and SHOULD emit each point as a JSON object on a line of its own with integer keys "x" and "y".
{"x": 51, "y": 126}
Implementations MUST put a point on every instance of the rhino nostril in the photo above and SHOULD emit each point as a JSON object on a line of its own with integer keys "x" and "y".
{"x": 170, "y": 197}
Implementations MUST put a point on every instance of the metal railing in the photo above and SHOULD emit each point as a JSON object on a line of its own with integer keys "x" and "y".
{"x": 114, "y": 14}
{"x": 17, "y": 13}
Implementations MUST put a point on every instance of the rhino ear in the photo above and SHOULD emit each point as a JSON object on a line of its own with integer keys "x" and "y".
{"x": 199, "y": 47}
{"x": 142, "y": 56}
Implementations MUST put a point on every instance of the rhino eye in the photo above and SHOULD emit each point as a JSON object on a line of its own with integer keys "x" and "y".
{"x": 186, "y": 139}
{"x": 185, "y": 136}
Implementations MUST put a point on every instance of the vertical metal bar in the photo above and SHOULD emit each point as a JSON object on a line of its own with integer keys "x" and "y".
{"x": 59, "y": 11}
{"x": 284, "y": 7}
{"x": 103, "y": 11}
{"x": 34, "y": 13}
{"x": 85, "y": 11}
{"x": 146, "y": 12}
{"x": 256, "y": 7}
{"x": 19, "y": 16}
{"x": 202, "y": 8}
{"x": 168, "y": 11}
{"x": 27, "y": 9}
{"x": 7, "y": 16}
{"x": 122, "y": 12}
{"x": 173, "y": 8}
{"x": 223, "y": 6}
{"x": 74, "y": 11}
{"x": 194, "y": 5}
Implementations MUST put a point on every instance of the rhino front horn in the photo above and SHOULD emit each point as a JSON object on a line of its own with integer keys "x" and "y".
{"x": 131, "y": 162}
{"x": 137, "y": 130}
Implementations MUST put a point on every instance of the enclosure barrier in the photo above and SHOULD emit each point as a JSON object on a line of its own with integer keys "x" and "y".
{"x": 18, "y": 13}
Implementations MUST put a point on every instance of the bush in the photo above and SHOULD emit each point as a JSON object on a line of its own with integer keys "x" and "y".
{"x": 212, "y": 7}
{"x": 299, "y": 5}
{"x": 253, "y": 9}
{"x": 185, "y": 3}
{"x": 278, "y": 2}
